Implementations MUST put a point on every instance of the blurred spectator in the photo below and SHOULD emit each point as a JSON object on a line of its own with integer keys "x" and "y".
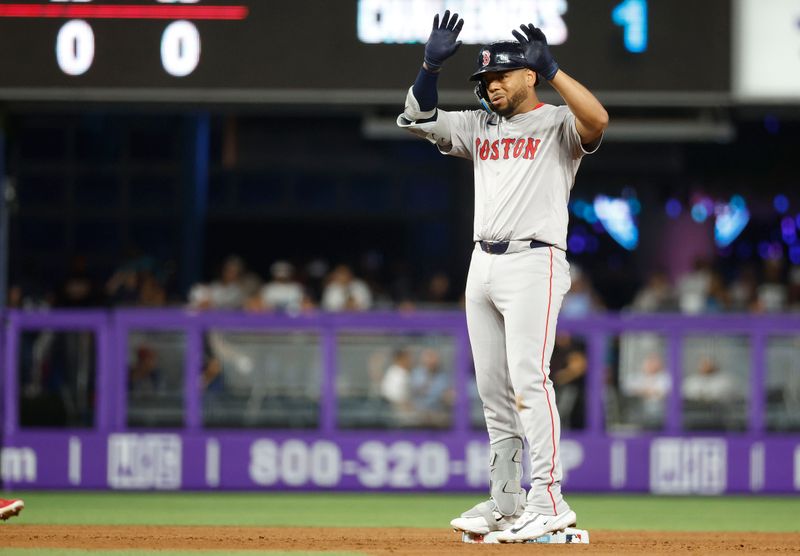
{"x": 568, "y": 373}
{"x": 151, "y": 291}
{"x": 19, "y": 297}
{"x": 220, "y": 354}
{"x": 431, "y": 390}
{"x": 717, "y": 299}
{"x": 438, "y": 291}
{"x": 743, "y": 289}
{"x": 772, "y": 295}
{"x": 283, "y": 293}
{"x": 396, "y": 387}
{"x": 345, "y": 292}
{"x": 135, "y": 283}
{"x": 693, "y": 288}
{"x": 651, "y": 386}
{"x": 703, "y": 290}
{"x": 228, "y": 292}
{"x": 14, "y": 299}
{"x": 144, "y": 375}
{"x": 581, "y": 298}
{"x": 250, "y": 283}
{"x": 712, "y": 400}
{"x": 122, "y": 289}
{"x": 709, "y": 384}
{"x": 78, "y": 289}
{"x": 211, "y": 377}
{"x": 656, "y": 296}
{"x": 124, "y": 285}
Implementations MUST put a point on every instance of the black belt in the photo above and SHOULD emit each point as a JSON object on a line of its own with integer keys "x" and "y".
{"x": 500, "y": 247}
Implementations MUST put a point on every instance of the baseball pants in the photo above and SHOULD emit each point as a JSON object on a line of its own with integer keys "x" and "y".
{"x": 512, "y": 304}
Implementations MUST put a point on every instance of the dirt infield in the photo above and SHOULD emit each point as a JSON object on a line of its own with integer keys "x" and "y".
{"x": 374, "y": 541}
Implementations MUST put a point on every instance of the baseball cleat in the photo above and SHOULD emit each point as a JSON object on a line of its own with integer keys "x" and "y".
{"x": 484, "y": 518}
{"x": 10, "y": 508}
{"x": 532, "y": 525}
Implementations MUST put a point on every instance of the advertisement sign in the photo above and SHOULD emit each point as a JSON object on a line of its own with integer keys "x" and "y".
{"x": 393, "y": 462}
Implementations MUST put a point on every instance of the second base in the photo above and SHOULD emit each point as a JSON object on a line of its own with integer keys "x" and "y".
{"x": 570, "y": 535}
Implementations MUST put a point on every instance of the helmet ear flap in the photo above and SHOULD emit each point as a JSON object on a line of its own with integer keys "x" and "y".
{"x": 483, "y": 96}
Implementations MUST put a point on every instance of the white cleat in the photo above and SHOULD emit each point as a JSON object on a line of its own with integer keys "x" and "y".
{"x": 533, "y": 525}
{"x": 483, "y": 518}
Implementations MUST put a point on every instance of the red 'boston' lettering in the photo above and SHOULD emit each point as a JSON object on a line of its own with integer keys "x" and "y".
{"x": 484, "y": 152}
{"x": 518, "y": 146}
{"x": 506, "y": 145}
{"x": 530, "y": 148}
{"x": 524, "y": 147}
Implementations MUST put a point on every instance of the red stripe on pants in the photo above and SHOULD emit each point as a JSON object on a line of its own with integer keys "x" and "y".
{"x": 544, "y": 385}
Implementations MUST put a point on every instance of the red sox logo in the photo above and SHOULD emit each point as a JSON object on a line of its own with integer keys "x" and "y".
{"x": 487, "y": 57}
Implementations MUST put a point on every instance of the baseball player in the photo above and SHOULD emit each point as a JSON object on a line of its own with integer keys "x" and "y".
{"x": 525, "y": 156}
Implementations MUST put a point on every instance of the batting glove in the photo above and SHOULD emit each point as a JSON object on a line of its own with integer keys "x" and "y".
{"x": 442, "y": 43}
{"x": 537, "y": 53}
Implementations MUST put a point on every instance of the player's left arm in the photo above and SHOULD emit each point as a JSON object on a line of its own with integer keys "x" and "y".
{"x": 591, "y": 119}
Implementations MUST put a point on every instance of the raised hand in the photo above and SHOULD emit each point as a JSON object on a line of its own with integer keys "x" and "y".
{"x": 537, "y": 53}
{"x": 442, "y": 43}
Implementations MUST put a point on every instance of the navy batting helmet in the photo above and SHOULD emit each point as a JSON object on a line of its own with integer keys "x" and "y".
{"x": 498, "y": 56}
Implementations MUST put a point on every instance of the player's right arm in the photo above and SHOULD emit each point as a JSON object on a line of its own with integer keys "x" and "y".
{"x": 421, "y": 115}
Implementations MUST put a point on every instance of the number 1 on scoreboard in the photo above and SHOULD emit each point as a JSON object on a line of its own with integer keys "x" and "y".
{"x": 631, "y": 15}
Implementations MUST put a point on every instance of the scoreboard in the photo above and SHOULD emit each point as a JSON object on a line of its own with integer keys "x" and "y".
{"x": 366, "y": 51}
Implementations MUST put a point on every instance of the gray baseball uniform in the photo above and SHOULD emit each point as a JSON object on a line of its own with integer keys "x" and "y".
{"x": 524, "y": 167}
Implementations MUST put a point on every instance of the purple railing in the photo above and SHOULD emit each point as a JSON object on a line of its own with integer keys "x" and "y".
{"x": 111, "y": 455}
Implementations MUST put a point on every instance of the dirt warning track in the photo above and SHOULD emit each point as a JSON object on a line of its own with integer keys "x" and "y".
{"x": 375, "y": 540}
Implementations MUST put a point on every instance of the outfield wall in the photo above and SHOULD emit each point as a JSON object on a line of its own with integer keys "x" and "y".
{"x": 297, "y": 407}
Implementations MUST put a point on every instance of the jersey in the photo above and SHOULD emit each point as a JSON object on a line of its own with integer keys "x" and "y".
{"x": 525, "y": 167}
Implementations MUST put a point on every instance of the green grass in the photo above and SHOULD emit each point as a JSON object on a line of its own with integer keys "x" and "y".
{"x": 734, "y": 513}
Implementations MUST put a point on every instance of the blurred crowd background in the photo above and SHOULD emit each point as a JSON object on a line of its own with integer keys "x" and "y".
{"x": 300, "y": 197}
{"x": 103, "y": 212}
{"x": 103, "y": 215}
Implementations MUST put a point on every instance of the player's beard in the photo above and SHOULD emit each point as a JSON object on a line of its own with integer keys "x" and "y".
{"x": 518, "y": 97}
